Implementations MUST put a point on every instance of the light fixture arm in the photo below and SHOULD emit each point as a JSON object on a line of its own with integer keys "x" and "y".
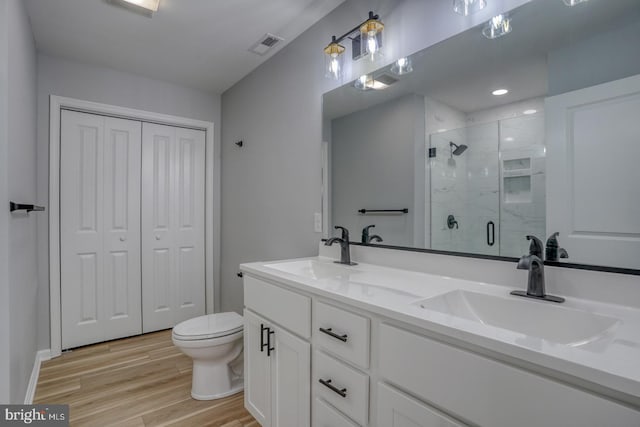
{"x": 373, "y": 16}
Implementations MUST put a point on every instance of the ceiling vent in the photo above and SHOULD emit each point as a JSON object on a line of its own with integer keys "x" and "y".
{"x": 386, "y": 79}
{"x": 265, "y": 44}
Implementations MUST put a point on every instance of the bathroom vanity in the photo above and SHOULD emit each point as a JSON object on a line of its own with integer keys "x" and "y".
{"x": 329, "y": 345}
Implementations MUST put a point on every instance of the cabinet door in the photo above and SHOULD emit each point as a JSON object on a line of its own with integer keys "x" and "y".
{"x": 173, "y": 179}
{"x": 395, "y": 409}
{"x": 100, "y": 234}
{"x": 291, "y": 380}
{"x": 257, "y": 370}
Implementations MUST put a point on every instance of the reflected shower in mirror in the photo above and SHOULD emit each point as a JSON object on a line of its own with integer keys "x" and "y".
{"x": 485, "y": 141}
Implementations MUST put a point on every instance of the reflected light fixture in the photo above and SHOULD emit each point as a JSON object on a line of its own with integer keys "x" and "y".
{"x": 369, "y": 37}
{"x": 333, "y": 60}
{"x": 367, "y": 82}
{"x": 151, "y": 5}
{"x": 574, "y": 2}
{"x": 529, "y": 112}
{"x": 402, "y": 66}
{"x": 467, "y": 7}
{"x": 497, "y": 26}
{"x": 500, "y": 92}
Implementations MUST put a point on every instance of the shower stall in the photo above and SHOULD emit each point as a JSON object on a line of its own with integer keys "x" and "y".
{"x": 486, "y": 186}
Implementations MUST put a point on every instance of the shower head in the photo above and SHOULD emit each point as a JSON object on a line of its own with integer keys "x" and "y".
{"x": 459, "y": 149}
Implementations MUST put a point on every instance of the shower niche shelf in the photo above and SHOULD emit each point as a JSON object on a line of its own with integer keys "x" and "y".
{"x": 516, "y": 176}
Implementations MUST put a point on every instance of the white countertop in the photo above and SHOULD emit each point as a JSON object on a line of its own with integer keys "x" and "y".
{"x": 611, "y": 361}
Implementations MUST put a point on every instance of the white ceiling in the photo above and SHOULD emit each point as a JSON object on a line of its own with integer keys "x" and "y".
{"x": 202, "y": 44}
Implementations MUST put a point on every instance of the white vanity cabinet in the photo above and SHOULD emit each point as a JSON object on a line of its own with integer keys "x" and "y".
{"x": 277, "y": 362}
{"x": 322, "y": 360}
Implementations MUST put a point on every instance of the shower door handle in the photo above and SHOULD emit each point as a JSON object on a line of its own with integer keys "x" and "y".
{"x": 491, "y": 233}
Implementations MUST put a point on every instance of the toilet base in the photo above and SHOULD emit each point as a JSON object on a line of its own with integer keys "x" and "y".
{"x": 235, "y": 388}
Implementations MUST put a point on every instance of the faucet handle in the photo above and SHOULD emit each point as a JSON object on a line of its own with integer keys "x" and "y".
{"x": 345, "y": 232}
{"x": 536, "y": 247}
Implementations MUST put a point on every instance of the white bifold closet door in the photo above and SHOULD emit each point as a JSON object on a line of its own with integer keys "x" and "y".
{"x": 100, "y": 228}
{"x": 173, "y": 206}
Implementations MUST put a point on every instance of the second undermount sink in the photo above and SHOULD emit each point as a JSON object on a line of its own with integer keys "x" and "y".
{"x": 311, "y": 269}
{"x": 554, "y": 323}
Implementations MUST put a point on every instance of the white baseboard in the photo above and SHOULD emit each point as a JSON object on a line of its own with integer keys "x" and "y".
{"x": 41, "y": 356}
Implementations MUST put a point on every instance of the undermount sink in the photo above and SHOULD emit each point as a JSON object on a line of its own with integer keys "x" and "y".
{"x": 311, "y": 269}
{"x": 554, "y": 323}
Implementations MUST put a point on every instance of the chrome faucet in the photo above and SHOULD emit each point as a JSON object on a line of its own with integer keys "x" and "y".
{"x": 345, "y": 254}
{"x": 534, "y": 263}
{"x": 367, "y": 238}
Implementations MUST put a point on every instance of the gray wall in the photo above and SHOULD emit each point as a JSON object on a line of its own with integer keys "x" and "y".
{"x": 271, "y": 186}
{"x": 18, "y": 286}
{"x": 372, "y": 163}
{"x": 599, "y": 59}
{"x": 4, "y": 213}
{"x": 99, "y": 84}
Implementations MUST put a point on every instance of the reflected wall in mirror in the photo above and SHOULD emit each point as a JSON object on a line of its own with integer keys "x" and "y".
{"x": 489, "y": 140}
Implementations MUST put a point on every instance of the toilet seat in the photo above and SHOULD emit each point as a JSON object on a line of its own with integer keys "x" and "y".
{"x": 209, "y": 327}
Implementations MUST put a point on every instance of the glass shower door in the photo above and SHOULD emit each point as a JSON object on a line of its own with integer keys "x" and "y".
{"x": 465, "y": 189}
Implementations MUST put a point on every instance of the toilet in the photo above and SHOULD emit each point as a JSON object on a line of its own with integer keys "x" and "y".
{"x": 214, "y": 342}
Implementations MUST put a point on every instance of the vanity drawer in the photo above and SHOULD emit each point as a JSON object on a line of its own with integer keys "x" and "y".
{"x": 487, "y": 392}
{"x": 342, "y": 333}
{"x": 287, "y": 308}
{"x": 396, "y": 409}
{"x": 342, "y": 386}
{"x": 325, "y": 416}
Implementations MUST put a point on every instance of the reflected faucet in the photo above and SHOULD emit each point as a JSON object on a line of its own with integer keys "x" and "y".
{"x": 345, "y": 254}
{"x": 367, "y": 238}
{"x": 533, "y": 262}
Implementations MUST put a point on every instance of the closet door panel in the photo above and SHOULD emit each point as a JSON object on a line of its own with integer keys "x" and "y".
{"x": 122, "y": 274}
{"x": 173, "y": 283}
{"x": 158, "y": 264}
{"x": 81, "y": 244}
{"x": 190, "y": 155}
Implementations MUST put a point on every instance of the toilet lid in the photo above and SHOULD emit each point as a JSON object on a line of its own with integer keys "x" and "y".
{"x": 209, "y": 326}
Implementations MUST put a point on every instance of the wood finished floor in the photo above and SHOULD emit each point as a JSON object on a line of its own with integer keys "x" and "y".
{"x": 132, "y": 382}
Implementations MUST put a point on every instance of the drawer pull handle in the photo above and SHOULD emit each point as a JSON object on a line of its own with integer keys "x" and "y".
{"x": 327, "y": 383}
{"x": 330, "y": 332}
{"x": 262, "y": 343}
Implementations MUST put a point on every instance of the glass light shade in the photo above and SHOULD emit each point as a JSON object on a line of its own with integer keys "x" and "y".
{"x": 574, "y": 2}
{"x": 497, "y": 26}
{"x": 371, "y": 36}
{"x": 467, "y": 7}
{"x": 333, "y": 61}
{"x": 402, "y": 66}
{"x": 363, "y": 82}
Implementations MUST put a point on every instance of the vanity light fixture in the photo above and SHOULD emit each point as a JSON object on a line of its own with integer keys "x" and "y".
{"x": 574, "y": 2}
{"x": 151, "y": 5}
{"x": 467, "y": 7}
{"x": 402, "y": 66}
{"x": 334, "y": 60}
{"x": 497, "y": 26}
{"x": 369, "y": 37}
{"x": 500, "y": 92}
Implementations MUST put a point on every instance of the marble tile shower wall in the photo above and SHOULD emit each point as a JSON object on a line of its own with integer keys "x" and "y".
{"x": 500, "y": 178}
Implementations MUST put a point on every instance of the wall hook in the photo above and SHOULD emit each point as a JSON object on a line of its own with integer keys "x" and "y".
{"x": 240, "y": 143}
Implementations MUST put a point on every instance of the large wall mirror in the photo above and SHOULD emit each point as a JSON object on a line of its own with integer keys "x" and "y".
{"x": 484, "y": 141}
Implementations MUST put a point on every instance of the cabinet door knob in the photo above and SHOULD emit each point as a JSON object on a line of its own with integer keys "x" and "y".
{"x": 122, "y": 238}
{"x": 329, "y": 331}
{"x": 157, "y": 237}
{"x": 327, "y": 383}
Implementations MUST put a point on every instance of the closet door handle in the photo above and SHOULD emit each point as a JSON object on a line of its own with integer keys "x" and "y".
{"x": 329, "y": 331}
{"x": 491, "y": 233}
{"x": 327, "y": 383}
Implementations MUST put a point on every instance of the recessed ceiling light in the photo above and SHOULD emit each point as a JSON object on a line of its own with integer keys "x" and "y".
{"x": 151, "y": 5}
{"x": 500, "y": 92}
{"x": 509, "y": 139}
{"x": 574, "y": 2}
{"x": 528, "y": 112}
